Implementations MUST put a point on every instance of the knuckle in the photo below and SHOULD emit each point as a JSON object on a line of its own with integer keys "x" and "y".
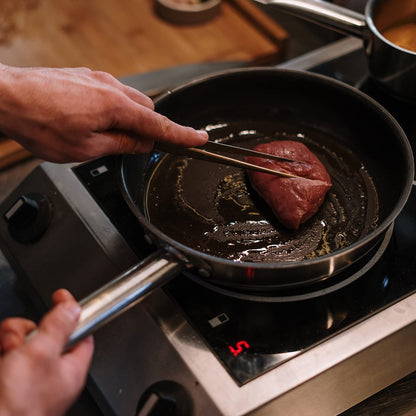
{"x": 105, "y": 77}
{"x": 164, "y": 126}
{"x": 84, "y": 69}
{"x": 150, "y": 103}
{"x": 57, "y": 321}
{"x": 124, "y": 143}
{"x": 113, "y": 104}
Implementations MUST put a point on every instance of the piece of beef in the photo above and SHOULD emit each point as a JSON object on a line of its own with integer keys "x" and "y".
{"x": 292, "y": 200}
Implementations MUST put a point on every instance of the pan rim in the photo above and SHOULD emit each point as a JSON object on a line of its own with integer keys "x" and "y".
{"x": 167, "y": 242}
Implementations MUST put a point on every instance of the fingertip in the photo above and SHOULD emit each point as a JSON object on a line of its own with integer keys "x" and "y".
{"x": 86, "y": 345}
{"x": 89, "y": 344}
{"x": 90, "y": 340}
{"x": 80, "y": 356}
{"x": 196, "y": 138}
{"x": 62, "y": 295}
{"x": 203, "y": 135}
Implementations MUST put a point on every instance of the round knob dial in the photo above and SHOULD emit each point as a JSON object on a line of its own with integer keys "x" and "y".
{"x": 29, "y": 217}
{"x": 165, "y": 398}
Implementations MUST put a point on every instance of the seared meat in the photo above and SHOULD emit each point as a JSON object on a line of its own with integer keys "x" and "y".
{"x": 292, "y": 200}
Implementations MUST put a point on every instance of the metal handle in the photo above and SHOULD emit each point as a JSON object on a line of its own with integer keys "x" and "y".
{"x": 123, "y": 292}
{"x": 327, "y": 14}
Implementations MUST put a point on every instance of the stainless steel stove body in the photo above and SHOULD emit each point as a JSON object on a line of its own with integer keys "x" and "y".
{"x": 203, "y": 352}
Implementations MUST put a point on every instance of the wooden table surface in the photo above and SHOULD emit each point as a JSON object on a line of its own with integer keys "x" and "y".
{"x": 126, "y": 37}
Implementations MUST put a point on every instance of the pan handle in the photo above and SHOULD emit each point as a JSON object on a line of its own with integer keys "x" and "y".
{"x": 123, "y": 292}
{"x": 327, "y": 14}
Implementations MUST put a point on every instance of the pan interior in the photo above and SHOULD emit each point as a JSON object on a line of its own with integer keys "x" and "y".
{"x": 213, "y": 209}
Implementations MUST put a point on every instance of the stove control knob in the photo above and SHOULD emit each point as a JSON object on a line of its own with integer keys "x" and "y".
{"x": 165, "y": 398}
{"x": 29, "y": 217}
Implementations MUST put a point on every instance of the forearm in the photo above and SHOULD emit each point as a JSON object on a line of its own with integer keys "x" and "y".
{"x": 7, "y": 93}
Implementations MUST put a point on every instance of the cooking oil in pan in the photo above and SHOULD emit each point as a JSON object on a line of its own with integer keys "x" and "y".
{"x": 213, "y": 209}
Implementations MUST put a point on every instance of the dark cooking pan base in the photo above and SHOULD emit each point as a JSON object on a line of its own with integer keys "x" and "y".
{"x": 201, "y": 206}
{"x": 213, "y": 208}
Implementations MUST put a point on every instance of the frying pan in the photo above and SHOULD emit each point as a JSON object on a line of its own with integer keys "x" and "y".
{"x": 392, "y": 66}
{"x": 358, "y": 141}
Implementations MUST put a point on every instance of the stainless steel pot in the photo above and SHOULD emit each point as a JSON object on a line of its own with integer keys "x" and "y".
{"x": 391, "y": 65}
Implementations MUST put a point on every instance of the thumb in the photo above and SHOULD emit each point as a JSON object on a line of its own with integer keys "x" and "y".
{"x": 57, "y": 325}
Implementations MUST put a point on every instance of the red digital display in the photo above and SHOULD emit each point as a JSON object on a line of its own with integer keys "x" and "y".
{"x": 239, "y": 347}
{"x": 250, "y": 272}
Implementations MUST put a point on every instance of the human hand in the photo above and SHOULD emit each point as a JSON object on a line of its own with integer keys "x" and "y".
{"x": 75, "y": 114}
{"x": 36, "y": 377}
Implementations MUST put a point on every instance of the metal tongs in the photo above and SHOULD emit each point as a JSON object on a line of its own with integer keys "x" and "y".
{"x": 207, "y": 152}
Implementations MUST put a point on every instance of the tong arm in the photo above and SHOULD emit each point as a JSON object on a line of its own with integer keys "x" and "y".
{"x": 202, "y": 154}
{"x": 227, "y": 148}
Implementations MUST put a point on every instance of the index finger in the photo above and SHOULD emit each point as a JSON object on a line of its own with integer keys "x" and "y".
{"x": 13, "y": 332}
{"x": 147, "y": 123}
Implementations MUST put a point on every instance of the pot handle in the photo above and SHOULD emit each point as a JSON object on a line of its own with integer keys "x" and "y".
{"x": 326, "y": 14}
{"x": 122, "y": 292}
